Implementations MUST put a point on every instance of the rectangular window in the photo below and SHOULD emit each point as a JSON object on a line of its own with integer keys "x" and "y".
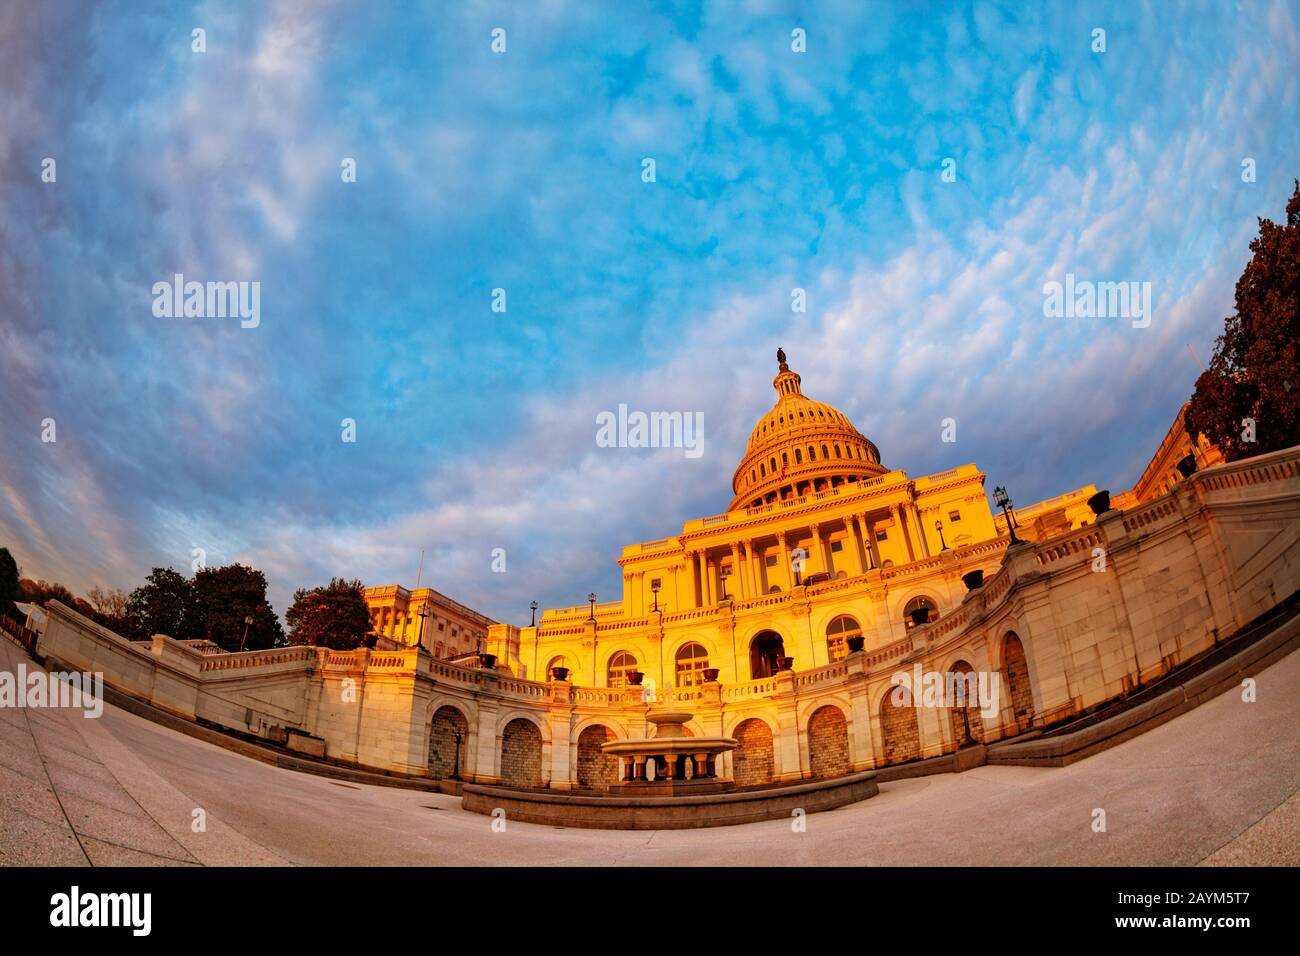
{"x": 837, "y": 547}
{"x": 882, "y": 535}
{"x": 771, "y": 561}
{"x": 954, "y": 516}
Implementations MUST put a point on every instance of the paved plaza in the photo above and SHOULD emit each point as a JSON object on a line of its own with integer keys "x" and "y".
{"x": 1217, "y": 785}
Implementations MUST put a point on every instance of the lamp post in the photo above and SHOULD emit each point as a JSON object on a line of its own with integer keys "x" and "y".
{"x": 532, "y": 622}
{"x": 1001, "y": 499}
{"x": 591, "y": 599}
{"x": 938, "y": 526}
{"x": 248, "y": 622}
{"x": 422, "y": 614}
{"x": 455, "y": 770}
{"x": 654, "y": 589}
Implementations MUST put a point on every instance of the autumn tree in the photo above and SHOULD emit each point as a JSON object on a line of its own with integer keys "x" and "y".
{"x": 1248, "y": 401}
{"x": 110, "y": 606}
{"x": 334, "y": 615}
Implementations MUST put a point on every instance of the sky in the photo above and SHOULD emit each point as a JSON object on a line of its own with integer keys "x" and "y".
{"x": 523, "y": 170}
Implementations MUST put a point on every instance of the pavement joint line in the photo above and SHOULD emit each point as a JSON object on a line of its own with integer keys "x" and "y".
{"x": 58, "y": 799}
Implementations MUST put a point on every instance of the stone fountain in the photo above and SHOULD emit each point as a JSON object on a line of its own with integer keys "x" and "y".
{"x": 670, "y": 762}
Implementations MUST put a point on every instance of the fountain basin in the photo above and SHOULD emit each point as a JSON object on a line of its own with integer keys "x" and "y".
{"x": 670, "y": 762}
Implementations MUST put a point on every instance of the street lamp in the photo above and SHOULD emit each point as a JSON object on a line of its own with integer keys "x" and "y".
{"x": 1001, "y": 499}
{"x": 591, "y": 599}
{"x": 422, "y": 614}
{"x": 938, "y": 526}
{"x": 455, "y": 770}
{"x": 248, "y": 622}
{"x": 654, "y": 589}
{"x": 533, "y": 621}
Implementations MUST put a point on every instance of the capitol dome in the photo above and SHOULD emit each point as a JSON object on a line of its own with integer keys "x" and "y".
{"x": 799, "y": 447}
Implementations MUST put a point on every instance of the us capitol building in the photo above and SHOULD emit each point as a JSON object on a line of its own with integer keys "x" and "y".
{"x": 781, "y": 622}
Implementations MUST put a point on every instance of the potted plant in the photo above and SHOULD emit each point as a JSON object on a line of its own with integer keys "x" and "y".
{"x": 1100, "y": 502}
{"x": 489, "y": 661}
{"x": 856, "y": 643}
{"x": 710, "y": 674}
{"x": 635, "y": 677}
{"x": 1187, "y": 466}
{"x": 559, "y": 673}
{"x": 921, "y": 615}
{"x": 974, "y": 580}
{"x": 786, "y": 664}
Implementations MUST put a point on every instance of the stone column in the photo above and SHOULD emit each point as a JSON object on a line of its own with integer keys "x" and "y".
{"x": 697, "y": 580}
{"x": 784, "y": 559}
{"x": 816, "y": 556}
{"x": 860, "y": 554}
{"x": 914, "y": 513}
{"x": 896, "y": 512}
{"x": 737, "y": 573}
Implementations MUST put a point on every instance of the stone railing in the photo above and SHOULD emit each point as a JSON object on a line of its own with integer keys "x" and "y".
{"x": 763, "y": 687}
{"x": 242, "y": 660}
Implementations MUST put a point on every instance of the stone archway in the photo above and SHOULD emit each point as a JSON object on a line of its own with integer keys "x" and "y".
{"x": 766, "y": 651}
{"x": 965, "y": 722}
{"x": 753, "y": 757}
{"x": 596, "y": 770}
{"x": 521, "y": 754}
{"x": 900, "y": 728}
{"x": 1015, "y": 672}
{"x": 443, "y": 750}
{"x": 828, "y": 742}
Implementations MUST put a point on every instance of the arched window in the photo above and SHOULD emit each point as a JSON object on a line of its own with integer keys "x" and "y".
{"x": 798, "y": 457}
{"x": 915, "y": 605}
{"x": 838, "y": 632}
{"x": 692, "y": 659}
{"x": 825, "y": 453}
{"x": 812, "y": 452}
{"x": 620, "y": 666}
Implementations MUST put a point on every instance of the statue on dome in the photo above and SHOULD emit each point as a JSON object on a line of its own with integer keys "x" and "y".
{"x": 780, "y": 358}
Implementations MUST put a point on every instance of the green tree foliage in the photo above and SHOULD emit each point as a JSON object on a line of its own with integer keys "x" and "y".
{"x": 1254, "y": 372}
{"x": 224, "y": 597}
{"x": 332, "y": 616}
{"x": 164, "y": 604}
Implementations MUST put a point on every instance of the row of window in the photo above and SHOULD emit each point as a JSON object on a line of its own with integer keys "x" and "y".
{"x": 849, "y": 451}
{"x": 766, "y": 650}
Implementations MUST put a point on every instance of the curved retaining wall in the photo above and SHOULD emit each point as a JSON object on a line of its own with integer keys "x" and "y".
{"x": 670, "y": 813}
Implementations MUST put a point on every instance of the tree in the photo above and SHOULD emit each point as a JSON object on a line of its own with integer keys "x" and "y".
{"x": 165, "y": 604}
{"x": 9, "y": 577}
{"x": 110, "y": 606}
{"x": 224, "y": 597}
{"x": 42, "y": 591}
{"x": 332, "y": 616}
{"x": 1254, "y": 374}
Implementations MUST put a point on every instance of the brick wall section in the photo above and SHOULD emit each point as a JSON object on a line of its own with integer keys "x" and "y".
{"x": 596, "y": 770}
{"x": 828, "y": 743}
{"x": 521, "y": 754}
{"x": 442, "y": 742}
{"x": 752, "y": 758}
{"x": 901, "y": 731}
{"x": 1015, "y": 675}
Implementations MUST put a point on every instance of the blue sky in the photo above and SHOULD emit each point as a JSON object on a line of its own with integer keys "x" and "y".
{"x": 522, "y": 170}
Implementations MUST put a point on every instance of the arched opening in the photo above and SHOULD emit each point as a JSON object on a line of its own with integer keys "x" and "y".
{"x": 691, "y": 660}
{"x": 596, "y": 769}
{"x": 620, "y": 666}
{"x": 448, "y": 743}
{"x": 961, "y": 687}
{"x": 521, "y": 754}
{"x": 766, "y": 651}
{"x": 916, "y": 604}
{"x": 751, "y": 761}
{"x": 1015, "y": 671}
{"x": 560, "y": 661}
{"x": 900, "y": 728}
{"x": 828, "y": 742}
{"x": 838, "y": 633}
